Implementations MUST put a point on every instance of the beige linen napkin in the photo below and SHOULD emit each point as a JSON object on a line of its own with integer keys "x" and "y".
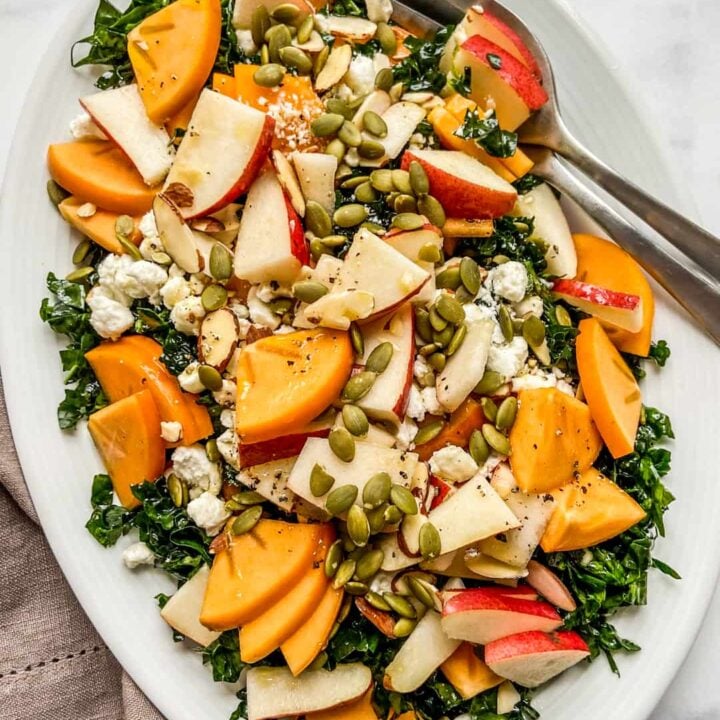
{"x": 53, "y": 664}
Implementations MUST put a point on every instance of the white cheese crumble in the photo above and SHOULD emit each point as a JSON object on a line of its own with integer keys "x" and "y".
{"x": 227, "y": 418}
{"x": 532, "y": 305}
{"x": 379, "y": 10}
{"x": 453, "y": 464}
{"x": 420, "y": 367}
{"x": 189, "y": 379}
{"x": 83, "y": 127}
{"x": 416, "y": 406}
{"x": 192, "y": 465}
{"x": 227, "y": 445}
{"x": 509, "y": 281}
{"x": 260, "y": 313}
{"x": 406, "y": 434}
{"x": 208, "y": 512}
{"x": 171, "y": 432}
{"x": 509, "y": 359}
{"x": 151, "y": 242}
{"x": 143, "y": 279}
{"x": 175, "y": 290}
{"x": 431, "y": 402}
{"x": 360, "y": 76}
{"x": 187, "y": 315}
{"x": 226, "y": 395}
{"x": 137, "y": 554}
{"x": 108, "y": 317}
{"x": 246, "y": 42}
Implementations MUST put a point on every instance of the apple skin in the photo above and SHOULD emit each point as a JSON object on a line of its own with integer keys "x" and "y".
{"x": 459, "y": 196}
{"x": 277, "y": 449}
{"x": 516, "y": 40}
{"x": 298, "y": 244}
{"x": 441, "y": 490}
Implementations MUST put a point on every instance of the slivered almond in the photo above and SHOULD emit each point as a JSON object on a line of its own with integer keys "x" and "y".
{"x": 176, "y": 235}
{"x": 335, "y": 68}
{"x": 218, "y": 339}
{"x": 207, "y": 225}
{"x": 288, "y": 180}
{"x": 180, "y": 195}
{"x": 355, "y": 29}
{"x": 383, "y": 621}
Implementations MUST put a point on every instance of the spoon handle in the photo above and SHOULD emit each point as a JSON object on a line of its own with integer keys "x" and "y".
{"x": 692, "y": 240}
{"x": 698, "y": 293}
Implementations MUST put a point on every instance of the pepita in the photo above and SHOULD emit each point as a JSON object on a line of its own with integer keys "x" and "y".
{"x": 214, "y": 297}
{"x": 419, "y": 181}
{"x": 443, "y": 338}
{"x": 376, "y": 518}
{"x": 270, "y": 75}
{"x": 428, "y": 432}
{"x": 358, "y": 386}
{"x": 349, "y": 216}
{"x": 450, "y": 309}
{"x": 408, "y": 221}
{"x": 259, "y": 24}
{"x": 336, "y": 106}
{"x": 247, "y": 520}
{"x": 337, "y": 149}
{"x": 382, "y": 180}
{"x": 401, "y": 181}
{"x": 437, "y": 361}
{"x": 430, "y": 542}
{"x": 495, "y": 439}
{"x": 210, "y": 378}
{"x": 374, "y": 124}
{"x": 463, "y": 296}
{"x": 327, "y": 124}
{"x": 380, "y": 358}
{"x": 350, "y": 134}
{"x": 317, "y": 219}
{"x": 374, "y": 228}
{"x": 396, "y": 92}
{"x": 422, "y": 324}
{"x": 377, "y": 491}
{"x": 506, "y": 413}
{"x": 341, "y": 499}
{"x": 345, "y": 609}
{"x": 423, "y": 591}
{"x": 321, "y": 60}
{"x": 285, "y": 13}
{"x": 344, "y": 574}
{"x": 392, "y": 515}
{"x": 80, "y": 275}
{"x": 489, "y": 408}
{"x": 264, "y": 55}
{"x": 377, "y": 601}
{"x": 437, "y": 322}
{"x": 563, "y": 316}
{"x": 308, "y": 291}
{"x": 533, "y": 331}
{"x": 403, "y": 500}
{"x": 490, "y": 382}
{"x": 369, "y": 564}
{"x": 506, "y": 323}
{"x": 356, "y": 588}
{"x": 129, "y": 248}
{"x": 305, "y": 29}
{"x": 456, "y": 341}
{"x": 211, "y": 450}
{"x": 175, "y": 489}
{"x": 318, "y": 248}
{"x": 371, "y": 150}
{"x": 334, "y": 241}
{"x": 358, "y": 526}
{"x": 293, "y": 57}
{"x": 387, "y": 39}
{"x": 355, "y": 420}
{"x": 278, "y": 37}
{"x": 342, "y": 444}
{"x": 354, "y": 182}
{"x": 478, "y": 447}
{"x": 384, "y": 79}
{"x": 319, "y": 662}
{"x": 448, "y": 279}
{"x": 405, "y": 204}
{"x": 430, "y": 252}
{"x": 403, "y": 627}
{"x": 366, "y": 193}
{"x": 470, "y": 275}
{"x": 398, "y": 604}
{"x": 81, "y": 251}
{"x": 357, "y": 340}
{"x": 248, "y": 498}
{"x": 321, "y": 481}
{"x": 432, "y": 209}
{"x": 57, "y": 194}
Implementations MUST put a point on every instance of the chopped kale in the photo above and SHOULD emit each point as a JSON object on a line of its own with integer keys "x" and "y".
{"x": 420, "y": 71}
{"x": 487, "y": 134}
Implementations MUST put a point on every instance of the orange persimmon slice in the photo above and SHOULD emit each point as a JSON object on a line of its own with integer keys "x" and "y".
{"x": 467, "y": 418}
{"x": 601, "y": 262}
{"x": 588, "y": 511}
{"x": 99, "y": 227}
{"x": 467, "y": 673}
{"x": 127, "y": 436}
{"x": 361, "y": 709}
{"x": 225, "y": 85}
{"x": 172, "y": 53}
{"x": 285, "y": 381}
{"x": 610, "y": 388}
{"x": 98, "y": 172}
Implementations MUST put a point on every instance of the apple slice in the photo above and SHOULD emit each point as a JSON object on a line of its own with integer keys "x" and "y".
{"x": 490, "y": 568}
{"x": 376, "y": 435}
{"x": 551, "y": 227}
{"x": 369, "y": 460}
{"x": 219, "y": 335}
{"x": 372, "y": 266}
{"x": 521, "y": 592}
{"x": 338, "y": 309}
{"x": 481, "y": 618}
{"x": 176, "y": 235}
{"x": 532, "y": 658}
{"x": 243, "y": 10}
{"x": 347, "y": 27}
{"x": 388, "y": 397}
{"x": 182, "y": 610}
{"x": 507, "y": 698}
{"x": 409, "y": 243}
{"x": 550, "y": 586}
{"x": 222, "y": 152}
{"x": 120, "y": 114}
{"x": 378, "y": 101}
{"x": 466, "y": 367}
{"x": 464, "y": 186}
{"x": 271, "y": 243}
{"x": 316, "y": 174}
{"x": 402, "y": 120}
{"x": 615, "y": 308}
{"x": 273, "y": 692}
{"x": 425, "y": 650}
{"x": 498, "y": 76}
{"x": 288, "y": 179}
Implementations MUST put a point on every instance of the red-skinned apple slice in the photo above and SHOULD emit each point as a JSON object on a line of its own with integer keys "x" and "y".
{"x": 615, "y": 308}
{"x": 338, "y": 309}
{"x": 223, "y": 150}
{"x": 550, "y": 586}
{"x": 425, "y": 650}
{"x": 409, "y": 243}
{"x": 497, "y": 74}
{"x": 177, "y": 237}
{"x": 464, "y": 186}
{"x": 316, "y": 175}
{"x": 271, "y": 243}
{"x": 532, "y": 658}
{"x": 388, "y": 397}
{"x": 120, "y": 114}
{"x": 273, "y": 692}
{"x": 481, "y": 617}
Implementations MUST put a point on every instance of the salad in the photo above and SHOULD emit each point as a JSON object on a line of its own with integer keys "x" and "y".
{"x": 356, "y": 385}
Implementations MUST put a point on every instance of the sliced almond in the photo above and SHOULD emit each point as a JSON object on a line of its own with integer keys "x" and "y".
{"x": 207, "y": 225}
{"x": 288, "y": 179}
{"x": 351, "y": 28}
{"x": 181, "y": 195}
{"x": 228, "y": 216}
{"x": 218, "y": 339}
{"x": 383, "y": 621}
{"x": 176, "y": 235}
{"x": 335, "y": 68}
{"x": 456, "y": 227}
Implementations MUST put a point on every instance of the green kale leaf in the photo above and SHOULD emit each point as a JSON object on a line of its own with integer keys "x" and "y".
{"x": 420, "y": 70}
{"x": 487, "y": 134}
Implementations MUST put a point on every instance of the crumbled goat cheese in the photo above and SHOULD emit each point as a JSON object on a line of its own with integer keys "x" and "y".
{"x": 532, "y": 305}
{"x": 151, "y": 242}
{"x": 227, "y": 445}
{"x": 187, "y": 315}
{"x": 360, "y": 76}
{"x": 406, "y": 434}
{"x": 192, "y": 465}
{"x": 189, "y": 379}
{"x": 246, "y": 42}
{"x": 453, "y": 464}
{"x": 379, "y": 10}
{"x": 416, "y": 406}
{"x": 508, "y": 359}
{"x": 171, "y": 432}
{"x": 143, "y": 279}
{"x": 487, "y": 468}
{"x": 198, "y": 282}
{"x": 285, "y": 330}
{"x": 420, "y": 367}
{"x": 108, "y": 317}
{"x": 260, "y": 313}
{"x": 269, "y": 291}
{"x": 137, "y": 554}
{"x": 83, "y": 127}
{"x": 533, "y": 381}
{"x": 208, "y": 512}
{"x": 509, "y": 281}
{"x": 111, "y": 272}
{"x": 226, "y": 395}
{"x": 175, "y": 290}
{"x": 431, "y": 402}
{"x": 227, "y": 418}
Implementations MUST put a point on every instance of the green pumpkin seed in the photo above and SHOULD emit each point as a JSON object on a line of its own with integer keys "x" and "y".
{"x": 321, "y": 60}
{"x": 392, "y": 515}
{"x": 495, "y": 439}
{"x": 279, "y": 38}
{"x": 366, "y": 193}
{"x": 428, "y": 432}
{"x": 354, "y": 182}
{"x": 351, "y": 215}
{"x": 380, "y": 358}
{"x": 534, "y": 331}
{"x": 333, "y": 558}
{"x": 357, "y": 340}
{"x": 248, "y": 498}
{"x": 317, "y": 219}
{"x": 285, "y": 13}
{"x": 437, "y": 322}
{"x": 377, "y": 491}
{"x": 419, "y": 181}
{"x": 129, "y": 248}
{"x": 327, "y": 124}
{"x": 396, "y": 92}
{"x": 355, "y": 420}
{"x": 489, "y": 408}
{"x": 401, "y": 181}
{"x": 450, "y": 309}
{"x": 506, "y": 323}
{"x": 444, "y": 338}
{"x": 404, "y": 608}
{"x": 371, "y": 150}
{"x": 478, "y": 447}
{"x": 211, "y": 450}
{"x": 422, "y": 324}
{"x": 387, "y": 38}
{"x": 377, "y": 601}
{"x": 336, "y": 106}
{"x": 210, "y": 378}
{"x": 176, "y": 490}
{"x": 403, "y": 500}
{"x": 345, "y": 609}
{"x": 334, "y": 241}
{"x": 376, "y": 518}
{"x": 293, "y": 57}
{"x": 506, "y": 413}
{"x": 319, "y": 662}
{"x": 431, "y": 208}
{"x": 369, "y": 564}
{"x": 350, "y": 134}
{"x": 430, "y": 542}
{"x": 247, "y": 520}
{"x": 259, "y": 24}
{"x": 423, "y": 591}
{"x": 384, "y": 79}
{"x": 305, "y": 29}
{"x": 56, "y": 193}
{"x": 374, "y": 228}
{"x": 337, "y": 149}
{"x": 348, "y": 544}
{"x": 429, "y": 252}
{"x": 344, "y": 574}
{"x": 391, "y": 198}
{"x": 456, "y": 341}
{"x": 342, "y": 444}
{"x": 341, "y": 499}
{"x": 403, "y": 627}
{"x": 264, "y": 55}
{"x": 81, "y": 251}
{"x": 463, "y": 296}
{"x": 318, "y": 248}
{"x": 490, "y": 382}
{"x": 563, "y": 316}
{"x": 221, "y": 262}
{"x": 356, "y": 588}
{"x": 374, "y": 124}
{"x": 408, "y": 221}
{"x": 358, "y": 526}
{"x": 382, "y": 180}
{"x": 437, "y": 361}
{"x": 321, "y": 481}
{"x": 214, "y": 297}
{"x": 80, "y": 275}
{"x": 470, "y": 275}
{"x": 358, "y": 386}
{"x": 308, "y": 291}
{"x": 270, "y": 75}
{"x": 405, "y": 204}
{"x": 448, "y": 279}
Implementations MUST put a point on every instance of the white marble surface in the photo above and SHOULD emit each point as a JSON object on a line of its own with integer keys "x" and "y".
{"x": 669, "y": 46}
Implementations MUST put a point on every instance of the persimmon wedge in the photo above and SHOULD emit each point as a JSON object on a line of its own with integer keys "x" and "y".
{"x": 99, "y": 227}
{"x": 361, "y": 709}
{"x": 467, "y": 418}
{"x": 610, "y": 388}
{"x": 285, "y": 381}
{"x": 172, "y": 53}
{"x": 467, "y": 673}
{"x": 601, "y": 262}
{"x": 127, "y": 436}
{"x": 98, "y": 172}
